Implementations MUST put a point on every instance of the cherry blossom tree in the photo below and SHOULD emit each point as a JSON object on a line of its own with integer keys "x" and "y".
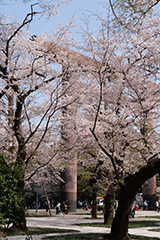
{"x": 32, "y": 96}
{"x": 116, "y": 86}
{"x": 92, "y": 165}
{"x": 128, "y": 14}
{"x": 126, "y": 123}
{"x": 92, "y": 171}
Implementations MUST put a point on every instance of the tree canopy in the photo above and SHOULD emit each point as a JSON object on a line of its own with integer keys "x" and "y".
{"x": 56, "y": 101}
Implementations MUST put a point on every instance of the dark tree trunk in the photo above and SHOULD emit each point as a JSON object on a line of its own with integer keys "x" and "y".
{"x": 19, "y": 219}
{"x": 94, "y": 204}
{"x": 119, "y": 229}
{"x": 109, "y": 204}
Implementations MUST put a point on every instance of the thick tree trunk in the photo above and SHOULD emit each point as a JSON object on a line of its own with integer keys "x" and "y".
{"x": 109, "y": 204}
{"x": 119, "y": 229}
{"x": 19, "y": 219}
{"x": 94, "y": 204}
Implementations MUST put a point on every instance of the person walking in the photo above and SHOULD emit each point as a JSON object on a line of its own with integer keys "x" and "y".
{"x": 157, "y": 206}
{"x": 145, "y": 205}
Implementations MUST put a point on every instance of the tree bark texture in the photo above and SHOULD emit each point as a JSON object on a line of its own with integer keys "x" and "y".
{"x": 119, "y": 229}
{"x": 19, "y": 169}
{"x": 20, "y": 220}
{"x": 109, "y": 204}
{"x": 94, "y": 204}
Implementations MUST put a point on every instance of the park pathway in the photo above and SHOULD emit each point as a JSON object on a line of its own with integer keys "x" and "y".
{"x": 72, "y": 221}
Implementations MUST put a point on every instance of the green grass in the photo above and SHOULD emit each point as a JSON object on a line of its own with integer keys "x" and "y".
{"x": 158, "y": 217}
{"x": 89, "y": 213}
{"x": 139, "y": 224}
{"x": 134, "y": 224}
{"x": 155, "y": 230}
{"x": 38, "y": 215}
{"x": 74, "y": 237}
{"x": 143, "y": 238}
{"x": 93, "y": 225}
{"x": 38, "y": 230}
{"x": 91, "y": 237}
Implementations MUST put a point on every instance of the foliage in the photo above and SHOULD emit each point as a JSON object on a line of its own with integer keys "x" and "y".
{"x": 83, "y": 187}
{"x": 30, "y": 192}
{"x": 10, "y": 199}
{"x": 92, "y": 170}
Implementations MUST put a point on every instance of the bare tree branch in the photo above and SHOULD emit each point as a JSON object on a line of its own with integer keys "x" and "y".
{"x": 27, "y": 20}
{"x": 43, "y": 165}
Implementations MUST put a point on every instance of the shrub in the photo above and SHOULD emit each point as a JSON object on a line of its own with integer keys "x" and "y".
{"x": 10, "y": 199}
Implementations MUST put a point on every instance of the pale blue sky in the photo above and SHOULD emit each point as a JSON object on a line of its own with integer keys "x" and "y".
{"x": 16, "y": 9}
